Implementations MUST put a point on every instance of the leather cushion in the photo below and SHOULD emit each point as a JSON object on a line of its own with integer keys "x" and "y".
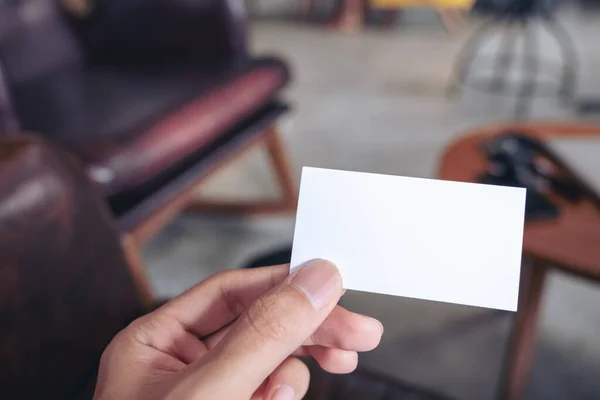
{"x": 129, "y": 125}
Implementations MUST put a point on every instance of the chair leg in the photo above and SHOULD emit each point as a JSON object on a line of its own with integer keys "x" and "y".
{"x": 283, "y": 170}
{"x": 307, "y": 9}
{"x": 504, "y": 58}
{"x": 351, "y": 16}
{"x": 285, "y": 179}
{"x": 452, "y": 19}
{"x": 522, "y": 343}
{"x": 390, "y": 18}
{"x": 566, "y": 45}
{"x": 530, "y": 61}
{"x": 466, "y": 56}
{"x": 138, "y": 272}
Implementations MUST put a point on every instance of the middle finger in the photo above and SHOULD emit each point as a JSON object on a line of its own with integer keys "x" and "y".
{"x": 342, "y": 329}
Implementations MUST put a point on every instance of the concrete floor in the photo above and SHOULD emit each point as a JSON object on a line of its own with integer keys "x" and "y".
{"x": 375, "y": 102}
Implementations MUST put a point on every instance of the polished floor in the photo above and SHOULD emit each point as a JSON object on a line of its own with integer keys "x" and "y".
{"x": 375, "y": 102}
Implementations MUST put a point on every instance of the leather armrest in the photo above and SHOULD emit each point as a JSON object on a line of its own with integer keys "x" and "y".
{"x": 66, "y": 288}
{"x": 159, "y": 32}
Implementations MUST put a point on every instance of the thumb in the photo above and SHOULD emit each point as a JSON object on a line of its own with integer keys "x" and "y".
{"x": 274, "y": 326}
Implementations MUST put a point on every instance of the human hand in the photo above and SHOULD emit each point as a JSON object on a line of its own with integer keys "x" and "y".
{"x": 234, "y": 335}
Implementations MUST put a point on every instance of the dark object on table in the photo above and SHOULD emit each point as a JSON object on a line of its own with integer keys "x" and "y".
{"x": 590, "y": 105}
{"x": 151, "y": 96}
{"x": 515, "y": 20}
{"x": 519, "y": 160}
{"x": 66, "y": 287}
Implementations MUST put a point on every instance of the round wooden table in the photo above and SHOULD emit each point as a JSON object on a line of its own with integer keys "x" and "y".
{"x": 570, "y": 243}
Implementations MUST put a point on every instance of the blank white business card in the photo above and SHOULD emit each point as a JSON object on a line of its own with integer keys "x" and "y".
{"x": 422, "y": 238}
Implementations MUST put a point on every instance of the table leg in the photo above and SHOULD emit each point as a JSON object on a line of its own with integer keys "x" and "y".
{"x": 522, "y": 343}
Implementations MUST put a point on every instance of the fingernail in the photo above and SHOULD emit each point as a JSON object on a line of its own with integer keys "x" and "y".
{"x": 320, "y": 281}
{"x": 283, "y": 392}
{"x": 380, "y": 324}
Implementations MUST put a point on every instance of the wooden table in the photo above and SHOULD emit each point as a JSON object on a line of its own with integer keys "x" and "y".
{"x": 570, "y": 243}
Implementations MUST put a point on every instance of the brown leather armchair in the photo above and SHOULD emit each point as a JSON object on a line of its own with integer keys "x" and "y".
{"x": 65, "y": 284}
{"x": 151, "y": 96}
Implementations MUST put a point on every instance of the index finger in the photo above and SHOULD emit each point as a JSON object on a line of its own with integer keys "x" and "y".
{"x": 215, "y": 302}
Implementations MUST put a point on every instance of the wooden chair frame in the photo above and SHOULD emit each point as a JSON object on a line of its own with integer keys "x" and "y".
{"x": 187, "y": 200}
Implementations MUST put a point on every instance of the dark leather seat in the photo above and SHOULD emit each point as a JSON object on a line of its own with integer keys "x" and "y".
{"x": 129, "y": 124}
{"x": 150, "y": 95}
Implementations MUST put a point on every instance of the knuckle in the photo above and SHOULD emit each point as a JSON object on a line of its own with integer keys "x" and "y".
{"x": 221, "y": 276}
{"x": 219, "y": 279}
{"x": 337, "y": 334}
{"x": 233, "y": 301}
{"x": 339, "y": 339}
{"x": 265, "y": 317}
{"x": 144, "y": 330}
{"x": 222, "y": 282}
{"x": 345, "y": 341}
{"x": 123, "y": 341}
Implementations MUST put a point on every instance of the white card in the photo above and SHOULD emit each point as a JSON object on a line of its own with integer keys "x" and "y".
{"x": 427, "y": 239}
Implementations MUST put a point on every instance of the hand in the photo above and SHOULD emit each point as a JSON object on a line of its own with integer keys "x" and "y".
{"x": 234, "y": 336}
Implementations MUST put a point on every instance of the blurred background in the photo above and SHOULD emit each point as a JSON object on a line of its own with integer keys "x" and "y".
{"x": 158, "y": 104}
